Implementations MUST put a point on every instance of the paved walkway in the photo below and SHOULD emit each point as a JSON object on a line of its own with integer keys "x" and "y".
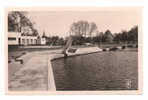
{"x": 33, "y": 75}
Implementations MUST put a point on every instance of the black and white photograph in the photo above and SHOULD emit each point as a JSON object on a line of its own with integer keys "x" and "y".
{"x": 73, "y": 49}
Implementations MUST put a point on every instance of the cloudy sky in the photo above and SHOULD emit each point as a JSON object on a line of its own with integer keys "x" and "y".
{"x": 58, "y": 22}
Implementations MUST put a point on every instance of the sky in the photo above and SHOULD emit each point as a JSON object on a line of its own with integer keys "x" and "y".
{"x": 58, "y": 22}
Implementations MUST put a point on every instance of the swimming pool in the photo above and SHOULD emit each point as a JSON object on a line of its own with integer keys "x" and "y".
{"x": 98, "y": 71}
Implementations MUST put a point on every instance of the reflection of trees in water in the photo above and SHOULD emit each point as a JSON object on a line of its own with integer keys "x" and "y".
{"x": 71, "y": 73}
{"x": 98, "y": 71}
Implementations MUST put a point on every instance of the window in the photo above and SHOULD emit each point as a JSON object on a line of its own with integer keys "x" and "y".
{"x": 35, "y": 41}
{"x": 23, "y": 41}
{"x": 11, "y": 38}
{"x": 27, "y": 41}
{"x": 31, "y": 41}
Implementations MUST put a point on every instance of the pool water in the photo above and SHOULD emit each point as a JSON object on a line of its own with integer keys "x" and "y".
{"x": 98, "y": 71}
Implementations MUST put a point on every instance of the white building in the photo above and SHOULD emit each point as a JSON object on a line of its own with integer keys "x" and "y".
{"x": 15, "y": 38}
{"x": 43, "y": 41}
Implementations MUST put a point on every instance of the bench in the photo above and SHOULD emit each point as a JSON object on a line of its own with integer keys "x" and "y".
{"x": 19, "y": 60}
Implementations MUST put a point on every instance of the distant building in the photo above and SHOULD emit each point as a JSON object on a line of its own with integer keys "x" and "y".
{"x": 43, "y": 39}
{"x": 13, "y": 38}
{"x": 16, "y": 38}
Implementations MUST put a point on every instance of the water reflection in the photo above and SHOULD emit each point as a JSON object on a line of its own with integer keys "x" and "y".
{"x": 98, "y": 71}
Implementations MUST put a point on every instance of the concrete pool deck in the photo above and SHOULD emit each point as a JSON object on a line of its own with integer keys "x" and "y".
{"x": 32, "y": 75}
{"x": 36, "y": 71}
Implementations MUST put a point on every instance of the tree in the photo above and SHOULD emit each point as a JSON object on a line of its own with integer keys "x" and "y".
{"x": 117, "y": 37}
{"x": 79, "y": 28}
{"x": 93, "y": 28}
{"x": 35, "y": 32}
{"x": 83, "y": 28}
{"x": 18, "y": 22}
{"x": 61, "y": 41}
{"x": 108, "y": 37}
{"x": 14, "y": 21}
{"x": 124, "y": 36}
{"x": 133, "y": 34}
{"x": 127, "y": 36}
{"x": 78, "y": 40}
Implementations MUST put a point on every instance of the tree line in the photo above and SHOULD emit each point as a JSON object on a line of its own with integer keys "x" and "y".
{"x": 124, "y": 37}
{"x": 81, "y": 31}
